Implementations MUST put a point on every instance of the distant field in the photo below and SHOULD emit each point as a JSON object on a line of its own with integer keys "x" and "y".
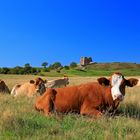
{"x": 19, "y": 120}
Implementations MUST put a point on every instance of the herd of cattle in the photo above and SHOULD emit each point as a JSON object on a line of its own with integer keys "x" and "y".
{"x": 92, "y": 99}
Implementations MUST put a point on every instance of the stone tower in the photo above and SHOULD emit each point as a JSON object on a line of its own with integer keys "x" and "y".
{"x": 85, "y": 61}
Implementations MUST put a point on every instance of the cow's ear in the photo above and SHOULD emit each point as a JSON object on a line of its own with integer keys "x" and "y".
{"x": 132, "y": 82}
{"x": 32, "y": 81}
{"x": 1, "y": 81}
{"x": 65, "y": 76}
{"x": 103, "y": 81}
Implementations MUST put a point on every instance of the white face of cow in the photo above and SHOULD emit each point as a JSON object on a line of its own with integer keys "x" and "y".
{"x": 116, "y": 81}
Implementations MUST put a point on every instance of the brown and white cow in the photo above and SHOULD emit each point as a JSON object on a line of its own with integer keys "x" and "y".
{"x": 91, "y": 99}
{"x": 30, "y": 88}
{"x": 3, "y": 87}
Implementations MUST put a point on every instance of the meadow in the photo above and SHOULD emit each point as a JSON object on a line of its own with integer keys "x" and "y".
{"x": 20, "y": 121}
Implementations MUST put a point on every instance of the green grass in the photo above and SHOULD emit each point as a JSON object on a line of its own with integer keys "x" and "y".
{"x": 20, "y": 121}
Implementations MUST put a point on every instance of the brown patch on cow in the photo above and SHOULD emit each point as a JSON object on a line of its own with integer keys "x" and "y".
{"x": 103, "y": 81}
{"x": 32, "y": 81}
{"x": 3, "y": 87}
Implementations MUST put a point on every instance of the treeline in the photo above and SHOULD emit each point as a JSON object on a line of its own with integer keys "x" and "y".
{"x": 28, "y": 69}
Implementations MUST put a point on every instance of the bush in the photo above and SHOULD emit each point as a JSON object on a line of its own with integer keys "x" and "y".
{"x": 4, "y": 70}
{"x": 56, "y": 66}
{"x": 73, "y": 64}
{"x": 46, "y": 69}
{"x": 66, "y": 67}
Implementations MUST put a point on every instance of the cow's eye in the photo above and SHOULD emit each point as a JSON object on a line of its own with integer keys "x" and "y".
{"x": 119, "y": 77}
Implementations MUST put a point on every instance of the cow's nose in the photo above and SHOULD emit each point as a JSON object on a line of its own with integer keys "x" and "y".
{"x": 118, "y": 97}
{"x": 37, "y": 90}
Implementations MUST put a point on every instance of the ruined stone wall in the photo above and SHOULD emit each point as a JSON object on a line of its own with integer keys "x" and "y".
{"x": 85, "y": 61}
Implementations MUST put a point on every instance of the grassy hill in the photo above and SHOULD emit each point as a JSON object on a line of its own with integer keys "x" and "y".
{"x": 99, "y": 69}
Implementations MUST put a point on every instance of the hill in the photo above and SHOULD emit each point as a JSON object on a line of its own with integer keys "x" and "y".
{"x": 114, "y": 66}
{"x": 99, "y": 69}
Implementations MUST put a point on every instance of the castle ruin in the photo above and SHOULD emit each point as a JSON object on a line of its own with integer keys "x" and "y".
{"x": 85, "y": 61}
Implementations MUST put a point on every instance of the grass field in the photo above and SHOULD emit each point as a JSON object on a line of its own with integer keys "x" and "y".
{"x": 19, "y": 120}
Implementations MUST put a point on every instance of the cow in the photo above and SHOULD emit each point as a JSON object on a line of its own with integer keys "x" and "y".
{"x": 92, "y": 99}
{"x": 3, "y": 87}
{"x": 63, "y": 82}
{"x": 30, "y": 88}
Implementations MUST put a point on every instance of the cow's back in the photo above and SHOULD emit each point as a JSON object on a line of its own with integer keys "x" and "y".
{"x": 72, "y": 98}
{"x": 56, "y": 83}
{"x": 25, "y": 89}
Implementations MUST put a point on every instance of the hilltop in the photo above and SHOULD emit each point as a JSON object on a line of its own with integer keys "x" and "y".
{"x": 99, "y": 69}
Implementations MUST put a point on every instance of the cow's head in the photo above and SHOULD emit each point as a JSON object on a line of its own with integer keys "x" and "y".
{"x": 39, "y": 85}
{"x": 3, "y": 87}
{"x": 66, "y": 79}
{"x": 117, "y": 82}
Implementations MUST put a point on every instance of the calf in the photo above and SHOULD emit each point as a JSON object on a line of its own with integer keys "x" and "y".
{"x": 91, "y": 99}
{"x": 30, "y": 88}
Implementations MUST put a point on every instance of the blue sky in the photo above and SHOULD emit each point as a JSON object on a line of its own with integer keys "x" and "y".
{"x": 34, "y": 31}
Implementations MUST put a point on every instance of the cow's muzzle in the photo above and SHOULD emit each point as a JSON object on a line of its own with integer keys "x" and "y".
{"x": 119, "y": 97}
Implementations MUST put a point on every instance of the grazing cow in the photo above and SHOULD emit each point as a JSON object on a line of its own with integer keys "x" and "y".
{"x": 92, "y": 99}
{"x": 30, "y": 88}
{"x": 3, "y": 87}
{"x": 57, "y": 83}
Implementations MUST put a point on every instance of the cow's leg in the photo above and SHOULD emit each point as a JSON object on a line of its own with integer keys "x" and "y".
{"x": 93, "y": 113}
{"x": 90, "y": 111}
{"x": 47, "y": 111}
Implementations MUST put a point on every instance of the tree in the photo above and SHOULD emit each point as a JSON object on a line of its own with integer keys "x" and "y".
{"x": 27, "y": 65}
{"x": 44, "y": 64}
{"x": 56, "y": 65}
{"x": 4, "y": 70}
{"x": 27, "y": 68}
{"x": 73, "y": 64}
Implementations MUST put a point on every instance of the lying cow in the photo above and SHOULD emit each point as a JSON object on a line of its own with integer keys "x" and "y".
{"x": 57, "y": 83}
{"x": 30, "y": 88}
{"x": 3, "y": 87}
{"x": 91, "y": 99}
